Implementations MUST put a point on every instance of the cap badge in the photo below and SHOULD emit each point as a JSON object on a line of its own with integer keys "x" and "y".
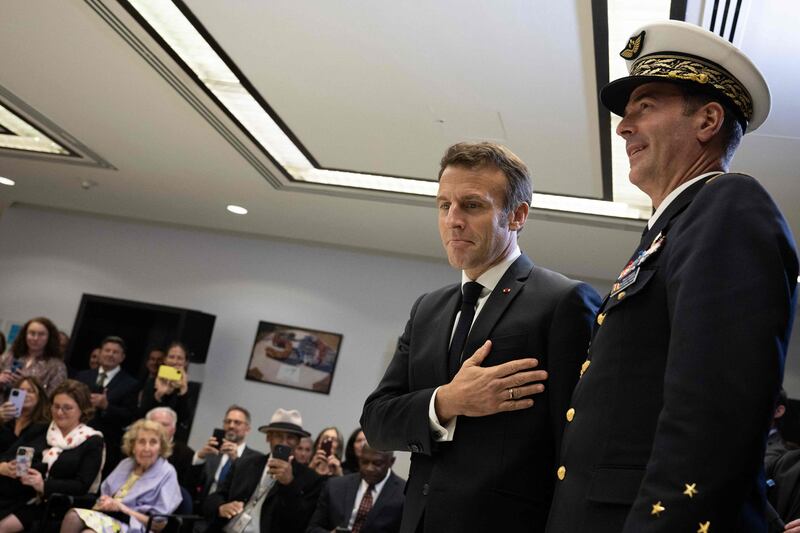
{"x": 633, "y": 48}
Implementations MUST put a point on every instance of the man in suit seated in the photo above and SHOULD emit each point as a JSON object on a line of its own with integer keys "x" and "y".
{"x": 268, "y": 493}
{"x": 114, "y": 394}
{"x": 370, "y": 501}
{"x": 181, "y": 456}
{"x": 212, "y": 463}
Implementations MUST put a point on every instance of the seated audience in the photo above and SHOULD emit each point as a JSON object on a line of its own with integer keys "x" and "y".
{"x": 327, "y": 457}
{"x": 143, "y": 484}
{"x": 181, "y": 457}
{"x": 352, "y": 451}
{"x": 161, "y": 392}
{"x": 31, "y": 425}
{"x": 285, "y": 491}
{"x": 27, "y": 430}
{"x": 370, "y": 501}
{"x": 63, "y": 343}
{"x": 71, "y": 463}
{"x": 114, "y": 393}
{"x": 35, "y": 353}
{"x": 213, "y": 462}
{"x": 303, "y": 451}
{"x": 155, "y": 357}
{"x": 94, "y": 359}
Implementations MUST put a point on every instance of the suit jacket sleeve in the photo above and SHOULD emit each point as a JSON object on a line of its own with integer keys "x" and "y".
{"x": 296, "y": 501}
{"x": 123, "y": 408}
{"x": 731, "y": 272}
{"x": 321, "y": 521}
{"x": 80, "y": 476}
{"x": 396, "y": 417}
{"x": 570, "y": 334}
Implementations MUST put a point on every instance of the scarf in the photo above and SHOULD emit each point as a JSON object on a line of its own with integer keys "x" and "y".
{"x": 58, "y": 443}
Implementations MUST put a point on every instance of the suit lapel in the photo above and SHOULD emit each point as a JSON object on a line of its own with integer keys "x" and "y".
{"x": 441, "y": 328}
{"x": 501, "y": 297}
{"x": 673, "y": 209}
{"x": 386, "y": 495}
{"x": 349, "y": 499}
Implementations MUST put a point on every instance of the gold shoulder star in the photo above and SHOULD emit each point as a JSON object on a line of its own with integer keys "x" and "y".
{"x": 657, "y": 509}
{"x": 705, "y": 527}
{"x": 691, "y": 490}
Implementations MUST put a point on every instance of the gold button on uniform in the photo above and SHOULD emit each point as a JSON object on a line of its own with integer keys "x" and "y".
{"x": 562, "y": 472}
{"x": 570, "y": 414}
{"x": 621, "y": 295}
{"x": 600, "y": 318}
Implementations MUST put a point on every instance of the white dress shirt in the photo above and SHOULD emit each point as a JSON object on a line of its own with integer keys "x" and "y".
{"x": 362, "y": 489}
{"x": 110, "y": 374}
{"x": 197, "y": 460}
{"x": 674, "y": 194}
{"x": 489, "y": 280}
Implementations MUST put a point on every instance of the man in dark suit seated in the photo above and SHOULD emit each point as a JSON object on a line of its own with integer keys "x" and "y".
{"x": 181, "y": 456}
{"x": 370, "y": 501}
{"x": 114, "y": 393}
{"x": 268, "y": 493}
{"x": 212, "y": 463}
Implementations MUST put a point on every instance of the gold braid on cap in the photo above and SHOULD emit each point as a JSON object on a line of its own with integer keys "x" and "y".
{"x": 683, "y": 68}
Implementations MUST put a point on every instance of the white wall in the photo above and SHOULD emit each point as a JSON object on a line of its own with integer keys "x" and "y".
{"x": 49, "y": 259}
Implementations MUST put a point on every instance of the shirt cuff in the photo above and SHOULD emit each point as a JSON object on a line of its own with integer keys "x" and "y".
{"x": 196, "y": 460}
{"x": 440, "y": 433}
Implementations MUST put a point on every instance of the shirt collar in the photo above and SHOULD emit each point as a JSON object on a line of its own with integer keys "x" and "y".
{"x": 379, "y": 485}
{"x": 491, "y": 277}
{"x": 109, "y": 374}
{"x": 674, "y": 194}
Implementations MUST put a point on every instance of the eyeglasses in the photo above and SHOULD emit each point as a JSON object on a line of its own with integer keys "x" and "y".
{"x": 63, "y": 408}
{"x": 234, "y": 422}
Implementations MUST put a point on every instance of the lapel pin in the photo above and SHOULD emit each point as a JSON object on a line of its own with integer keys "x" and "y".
{"x": 506, "y": 290}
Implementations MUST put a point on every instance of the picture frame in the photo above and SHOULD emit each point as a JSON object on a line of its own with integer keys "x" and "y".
{"x": 294, "y": 356}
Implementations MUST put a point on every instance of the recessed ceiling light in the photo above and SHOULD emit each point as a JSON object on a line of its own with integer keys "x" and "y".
{"x": 237, "y": 209}
{"x": 202, "y": 59}
{"x": 6, "y": 181}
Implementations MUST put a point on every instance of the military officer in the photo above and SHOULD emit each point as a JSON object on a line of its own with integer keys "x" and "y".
{"x": 667, "y": 425}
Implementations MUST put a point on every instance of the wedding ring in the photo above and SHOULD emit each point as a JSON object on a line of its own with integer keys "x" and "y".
{"x": 510, "y": 394}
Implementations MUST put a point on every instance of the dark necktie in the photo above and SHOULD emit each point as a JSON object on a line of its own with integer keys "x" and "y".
{"x": 101, "y": 380}
{"x": 363, "y": 509}
{"x": 469, "y": 299}
{"x": 224, "y": 471}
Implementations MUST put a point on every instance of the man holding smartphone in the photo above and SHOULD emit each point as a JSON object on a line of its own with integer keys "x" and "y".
{"x": 268, "y": 493}
{"x": 213, "y": 462}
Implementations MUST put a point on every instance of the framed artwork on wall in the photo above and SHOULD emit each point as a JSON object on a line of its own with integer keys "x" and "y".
{"x": 293, "y": 356}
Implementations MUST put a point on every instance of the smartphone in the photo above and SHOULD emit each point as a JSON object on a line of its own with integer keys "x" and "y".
{"x": 281, "y": 452}
{"x": 219, "y": 434}
{"x": 17, "y": 397}
{"x": 24, "y": 459}
{"x": 16, "y": 366}
{"x": 327, "y": 447}
{"x": 169, "y": 373}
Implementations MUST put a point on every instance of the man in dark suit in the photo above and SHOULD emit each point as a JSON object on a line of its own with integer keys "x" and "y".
{"x": 268, "y": 493}
{"x": 669, "y": 419}
{"x": 213, "y": 462}
{"x": 482, "y": 451}
{"x": 344, "y": 501}
{"x": 114, "y": 393}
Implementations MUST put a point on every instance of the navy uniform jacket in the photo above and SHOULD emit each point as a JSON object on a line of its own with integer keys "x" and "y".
{"x": 670, "y": 418}
{"x": 496, "y": 475}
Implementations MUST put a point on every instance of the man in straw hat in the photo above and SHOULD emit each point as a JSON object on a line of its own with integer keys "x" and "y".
{"x": 667, "y": 425}
{"x": 268, "y": 492}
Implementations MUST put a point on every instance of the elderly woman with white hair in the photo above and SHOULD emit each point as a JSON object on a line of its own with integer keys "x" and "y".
{"x": 144, "y": 484}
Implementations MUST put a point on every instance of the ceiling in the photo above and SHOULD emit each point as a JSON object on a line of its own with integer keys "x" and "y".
{"x": 374, "y": 87}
